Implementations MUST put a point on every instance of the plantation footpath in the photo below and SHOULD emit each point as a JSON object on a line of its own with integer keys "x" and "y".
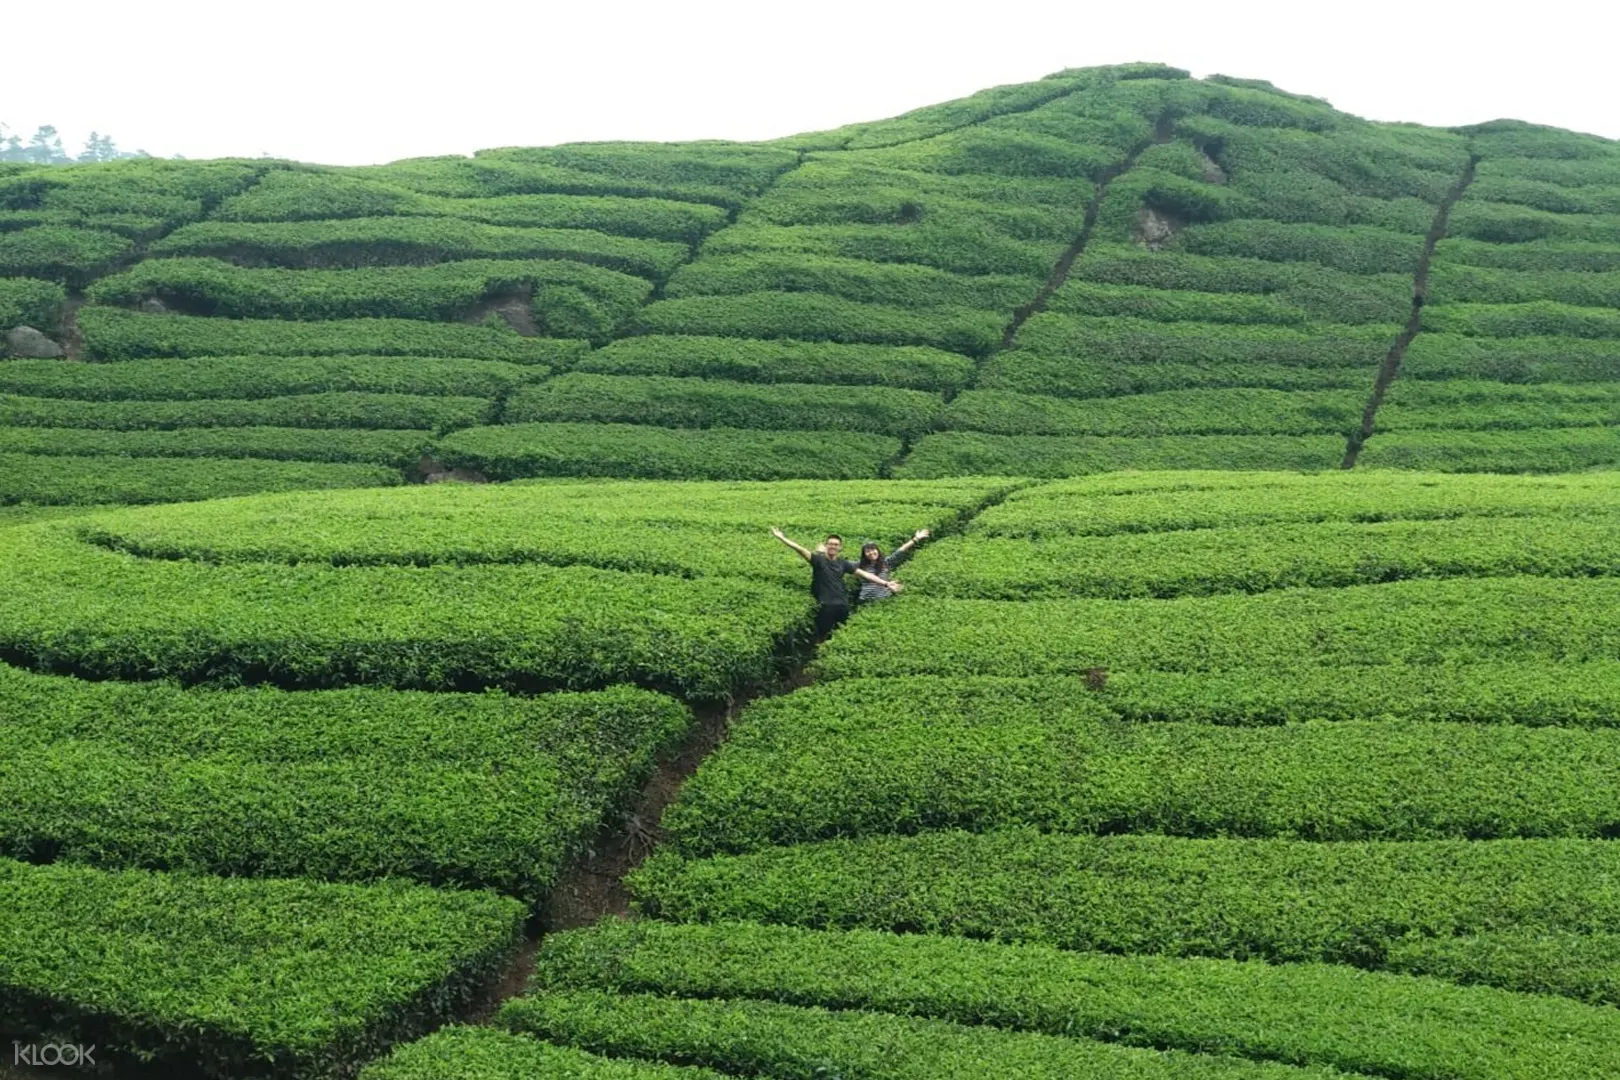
{"x": 1110, "y": 268}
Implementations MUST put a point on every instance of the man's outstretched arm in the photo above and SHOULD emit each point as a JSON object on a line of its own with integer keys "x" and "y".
{"x": 804, "y": 552}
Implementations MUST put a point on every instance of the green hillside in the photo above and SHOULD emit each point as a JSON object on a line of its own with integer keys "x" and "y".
{"x": 1110, "y": 268}
{"x": 1252, "y": 711}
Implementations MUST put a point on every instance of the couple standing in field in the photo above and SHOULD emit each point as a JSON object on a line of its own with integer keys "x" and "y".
{"x": 827, "y": 572}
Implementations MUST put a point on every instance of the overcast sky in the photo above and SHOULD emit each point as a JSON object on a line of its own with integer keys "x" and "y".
{"x": 358, "y": 82}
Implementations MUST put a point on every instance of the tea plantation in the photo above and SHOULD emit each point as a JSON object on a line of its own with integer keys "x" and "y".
{"x": 1253, "y": 710}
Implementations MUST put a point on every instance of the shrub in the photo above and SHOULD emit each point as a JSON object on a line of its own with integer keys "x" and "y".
{"x": 79, "y": 479}
{"x": 306, "y": 194}
{"x": 1515, "y": 451}
{"x": 1322, "y": 293}
{"x": 1525, "y": 619}
{"x": 261, "y": 377}
{"x": 964, "y": 453}
{"x": 1092, "y": 300}
{"x": 359, "y": 242}
{"x": 1302, "y": 1014}
{"x": 60, "y": 253}
{"x": 477, "y": 791}
{"x": 1528, "y": 359}
{"x": 1533, "y": 255}
{"x": 513, "y": 451}
{"x": 687, "y": 530}
{"x": 1505, "y": 223}
{"x": 655, "y": 219}
{"x": 30, "y": 302}
{"x": 1588, "y": 288}
{"x": 396, "y": 449}
{"x": 781, "y": 361}
{"x": 1478, "y": 405}
{"x": 104, "y": 614}
{"x": 155, "y": 965}
{"x": 453, "y": 1053}
{"x": 1539, "y": 318}
{"x": 713, "y": 403}
{"x": 1175, "y": 502}
{"x": 1257, "y": 558}
{"x": 1174, "y": 412}
{"x": 570, "y": 300}
{"x": 766, "y": 1039}
{"x": 742, "y": 168}
{"x": 1353, "y": 249}
{"x": 111, "y": 334}
{"x": 959, "y": 250}
{"x": 339, "y": 409}
{"x": 1279, "y": 900}
{"x": 810, "y": 317}
{"x": 895, "y": 284}
{"x": 863, "y": 757}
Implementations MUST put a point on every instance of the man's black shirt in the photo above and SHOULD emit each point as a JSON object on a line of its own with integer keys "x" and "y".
{"x": 827, "y": 580}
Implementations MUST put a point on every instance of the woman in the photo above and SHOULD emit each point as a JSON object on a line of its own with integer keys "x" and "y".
{"x": 874, "y": 563}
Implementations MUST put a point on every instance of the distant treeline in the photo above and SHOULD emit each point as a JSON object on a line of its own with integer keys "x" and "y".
{"x": 44, "y": 147}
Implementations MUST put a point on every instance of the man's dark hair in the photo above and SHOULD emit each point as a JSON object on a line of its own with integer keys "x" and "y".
{"x": 834, "y": 536}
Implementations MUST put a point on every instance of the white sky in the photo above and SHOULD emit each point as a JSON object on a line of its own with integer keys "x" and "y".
{"x": 352, "y": 82}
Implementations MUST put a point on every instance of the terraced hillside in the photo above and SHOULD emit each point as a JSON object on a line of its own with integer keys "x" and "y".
{"x": 1240, "y": 719}
{"x": 1109, "y": 268}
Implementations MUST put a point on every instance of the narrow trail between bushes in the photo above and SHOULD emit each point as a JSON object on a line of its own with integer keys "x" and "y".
{"x": 593, "y": 886}
{"x": 1163, "y": 132}
{"x": 1391, "y": 367}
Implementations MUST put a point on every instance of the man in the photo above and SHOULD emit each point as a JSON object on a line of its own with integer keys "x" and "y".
{"x": 827, "y": 572}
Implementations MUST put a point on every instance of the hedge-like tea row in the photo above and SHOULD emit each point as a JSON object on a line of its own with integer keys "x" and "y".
{"x": 1107, "y": 505}
{"x": 1525, "y": 619}
{"x": 1281, "y": 900}
{"x": 872, "y": 756}
{"x": 813, "y": 317}
{"x": 1549, "y": 450}
{"x": 836, "y": 191}
{"x": 480, "y": 790}
{"x": 398, "y": 449}
{"x": 1534, "y": 255}
{"x": 489, "y": 176}
{"x": 1479, "y": 405}
{"x": 61, "y": 253}
{"x": 102, "y": 614}
{"x": 689, "y": 530}
{"x": 25, "y": 301}
{"x": 338, "y": 409}
{"x": 959, "y": 250}
{"x": 1329, "y": 295}
{"x": 261, "y": 377}
{"x": 742, "y": 168}
{"x": 1600, "y": 198}
{"x": 1355, "y": 249}
{"x": 1505, "y": 223}
{"x": 1309, "y": 1014}
{"x": 174, "y": 967}
{"x": 655, "y": 219}
{"x": 1455, "y": 283}
{"x": 570, "y": 299}
{"x": 372, "y": 241}
{"x": 894, "y": 284}
{"x": 715, "y": 403}
{"x": 1534, "y": 319}
{"x": 1528, "y": 359}
{"x": 966, "y": 453}
{"x": 113, "y": 334}
{"x": 1242, "y": 411}
{"x": 912, "y": 367}
{"x": 88, "y": 478}
{"x": 515, "y": 451}
{"x": 762, "y": 1038}
{"x": 1581, "y": 966}
{"x": 1093, "y": 300}
{"x": 1256, "y": 558}
{"x": 456, "y": 1053}
{"x": 1060, "y": 354}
